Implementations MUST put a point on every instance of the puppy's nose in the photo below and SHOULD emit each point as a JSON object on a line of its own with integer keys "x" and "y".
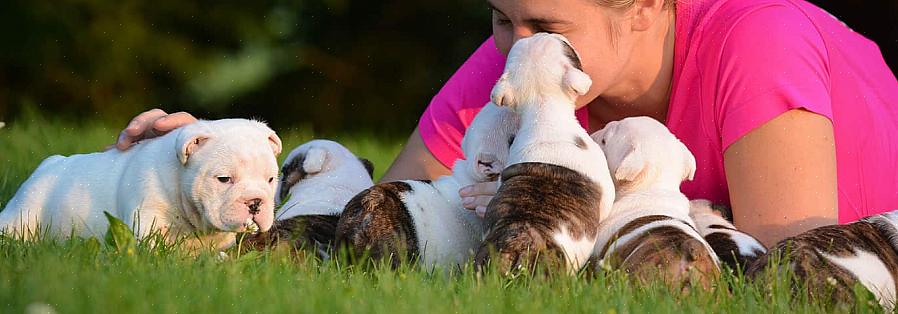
{"x": 253, "y": 205}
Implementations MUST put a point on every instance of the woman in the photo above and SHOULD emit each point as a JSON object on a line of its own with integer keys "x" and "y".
{"x": 793, "y": 117}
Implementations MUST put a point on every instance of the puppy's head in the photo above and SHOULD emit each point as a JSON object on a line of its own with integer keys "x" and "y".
{"x": 538, "y": 67}
{"x": 641, "y": 152}
{"x": 229, "y": 173}
{"x": 322, "y": 159}
{"x": 487, "y": 141}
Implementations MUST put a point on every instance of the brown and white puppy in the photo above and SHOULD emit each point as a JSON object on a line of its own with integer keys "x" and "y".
{"x": 548, "y": 206}
{"x": 318, "y": 180}
{"x": 425, "y": 220}
{"x": 830, "y": 260}
{"x": 648, "y": 232}
{"x": 734, "y": 248}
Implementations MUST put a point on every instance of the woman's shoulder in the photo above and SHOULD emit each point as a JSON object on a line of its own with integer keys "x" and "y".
{"x": 443, "y": 123}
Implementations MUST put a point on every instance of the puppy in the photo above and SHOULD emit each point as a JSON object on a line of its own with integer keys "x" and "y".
{"x": 734, "y": 248}
{"x": 557, "y": 185}
{"x": 318, "y": 179}
{"x": 830, "y": 260}
{"x": 209, "y": 179}
{"x": 425, "y": 220}
{"x": 648, "y": 233}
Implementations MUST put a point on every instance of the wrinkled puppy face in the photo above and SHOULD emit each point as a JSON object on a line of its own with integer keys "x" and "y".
{"x": 487, "y": 141}
{"x": 230, "y": 173}
{"x": 318, "y": 158}
{"x": 539, "y": 67}
{"x": 642, "y": 152}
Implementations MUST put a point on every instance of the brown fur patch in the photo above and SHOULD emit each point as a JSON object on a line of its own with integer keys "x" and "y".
{"x": 728, "y": 251}
{"x": 664, "y": 252}
{"x": 572, "y": 56}
{"x": 312, "y": 232}
{"x": 291, "y": 174}
{"x": 579, "y": 142}
{"x": 534, "y": 202}
{"x": 376, "y": 221}
{"x": 815, "y": 272}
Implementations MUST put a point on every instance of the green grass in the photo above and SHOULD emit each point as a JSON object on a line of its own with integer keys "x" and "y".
{"x": 89, "y": 276}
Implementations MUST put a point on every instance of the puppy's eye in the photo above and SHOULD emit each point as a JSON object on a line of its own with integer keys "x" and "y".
{"x": 224, "y": 179}
{"x": 510, "y": 141}
{"x": 270, "y": 179}
{"x": 603, "y": 142}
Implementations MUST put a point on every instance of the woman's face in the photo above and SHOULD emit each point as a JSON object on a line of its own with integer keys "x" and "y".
{"x": 599, "y": 34}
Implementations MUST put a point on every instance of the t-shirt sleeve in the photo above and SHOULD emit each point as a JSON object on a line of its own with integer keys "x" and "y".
{"x": 773, "y": 60}
{"x": 443, "y": 123}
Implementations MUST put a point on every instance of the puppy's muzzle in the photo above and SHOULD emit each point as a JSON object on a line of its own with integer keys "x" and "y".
{"x": 253, "y": 205}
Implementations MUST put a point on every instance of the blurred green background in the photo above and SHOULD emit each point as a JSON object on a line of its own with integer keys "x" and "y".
{"x": 328, "y": 65}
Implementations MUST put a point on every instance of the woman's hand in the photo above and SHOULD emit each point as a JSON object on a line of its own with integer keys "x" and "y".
{"x": 151, "y": 124}
{"x": 478, "y": 195}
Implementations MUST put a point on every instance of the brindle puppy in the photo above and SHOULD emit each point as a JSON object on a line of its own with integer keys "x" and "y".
{"x": 830, "y": 260}
{"x": 535, "y": 204}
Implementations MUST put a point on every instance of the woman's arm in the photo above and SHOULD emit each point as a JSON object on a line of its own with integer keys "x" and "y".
{"x": 415, "y": 162}
{"x": 782, "y": 177}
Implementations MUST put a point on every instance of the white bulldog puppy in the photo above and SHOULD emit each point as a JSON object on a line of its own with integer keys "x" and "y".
{"x": 557, "y": 184}
{"x": 829, "y": 261}
{"x": 648, "y": 232}
{"x": 734, "y": 248}
{"x": 208, "y": 179}
{"x": 423, "y": 220}
{"x": 318, "y": 178}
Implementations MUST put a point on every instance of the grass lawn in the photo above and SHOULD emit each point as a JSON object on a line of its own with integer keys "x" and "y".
{"x": 88, "y": 276}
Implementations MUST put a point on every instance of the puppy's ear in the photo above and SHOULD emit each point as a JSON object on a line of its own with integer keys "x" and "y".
{"x": 689, "y": 164}
{"x": 576, "y": 81}
{"x": 631, "y": 168}
{"x": 275, "y": 142}
{"x": 315, "y": 160}
{"x": 369, "y": 166}
{"x": 189, "y": 143}
{"x": 502, "y": 94}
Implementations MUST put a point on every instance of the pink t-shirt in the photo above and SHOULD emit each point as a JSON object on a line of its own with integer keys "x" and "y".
{"x": 737, "y": 65}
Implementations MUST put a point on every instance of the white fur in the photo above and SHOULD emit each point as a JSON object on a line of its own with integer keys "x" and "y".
{"x": 576, "y": 251}
{"x": 334, "y": 176}
{"x": 704, "y": 217}
{"x": 648, "y": 164}
{"x": 870, "y": 272}
{"x": 169, "y": 183}
{"x": 448, "y": 233}
{"x": 542, "y": 85}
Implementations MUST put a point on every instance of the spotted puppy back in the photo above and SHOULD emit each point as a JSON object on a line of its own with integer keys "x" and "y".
{"x": 828, "y": 261}
{"x": 540, "y": 213}
{"x": 657, "y": 247}
{"x": 376, "y": 223}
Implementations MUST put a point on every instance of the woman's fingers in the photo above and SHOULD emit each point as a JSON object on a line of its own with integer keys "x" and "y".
{"x": 137, "y": 127}
{"x": 173, "y": 121}
{"x": 151, "y": 124}
{"x": 478, "y": 195}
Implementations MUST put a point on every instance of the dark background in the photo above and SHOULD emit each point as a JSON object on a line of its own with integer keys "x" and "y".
{"x": 332, "y": 65}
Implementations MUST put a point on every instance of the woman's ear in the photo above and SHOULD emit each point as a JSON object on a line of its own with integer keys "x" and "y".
{"x": 646, "y": 13}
